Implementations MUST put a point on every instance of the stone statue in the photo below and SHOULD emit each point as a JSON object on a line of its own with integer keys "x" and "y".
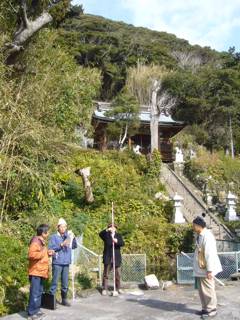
{"x": 136, "y": 149}
{"x": 179, "y": 155}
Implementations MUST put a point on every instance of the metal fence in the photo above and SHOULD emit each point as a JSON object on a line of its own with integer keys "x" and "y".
{"x": 133, "y": 268}
{"x": 87, "y": 268}
{"x": 227, "y": 246}
{"x": 230, "y": 263}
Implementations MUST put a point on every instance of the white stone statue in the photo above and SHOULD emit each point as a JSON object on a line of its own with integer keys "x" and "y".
{"x": 178, "y": 215}
{"x": 136, "y": 149}
{"x": 179, "y": 155}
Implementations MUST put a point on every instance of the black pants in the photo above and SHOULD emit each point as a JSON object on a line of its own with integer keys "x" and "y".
{"x": 106, "y": 271}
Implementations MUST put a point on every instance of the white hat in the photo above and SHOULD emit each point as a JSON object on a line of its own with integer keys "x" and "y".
{"x": 61, "y": 221}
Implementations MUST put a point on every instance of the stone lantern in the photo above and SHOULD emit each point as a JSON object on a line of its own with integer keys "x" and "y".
{"x": 178, "y": 215}
{"x": 231, "y": 214}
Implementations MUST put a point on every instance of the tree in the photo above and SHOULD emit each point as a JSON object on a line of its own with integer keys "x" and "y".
{"x": 30, "y": 17}
{"x": 125, "y": 111}
{"x": 208, "y": 99}
{"x": 39, "y": 110}
{"x": 161, "y": 103}
{"x": 188, "y": 59}
{"x": 145, "y": 83}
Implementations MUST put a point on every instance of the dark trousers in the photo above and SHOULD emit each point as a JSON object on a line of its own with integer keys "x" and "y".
{"x": 106, "y": 271}
{"x": 35, "y": 297}
{"x": 57, "y": 271}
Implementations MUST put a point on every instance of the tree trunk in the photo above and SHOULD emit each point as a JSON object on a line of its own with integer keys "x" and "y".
{"x": 104, "y": 141}
{"x": 85, "y": 174}
{"x": 32, "y": 27}
{"x": 122, "y": 139}
{"x": 154, "y": 116}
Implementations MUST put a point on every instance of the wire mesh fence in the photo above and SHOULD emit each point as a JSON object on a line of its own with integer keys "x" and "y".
{"x": 230, "y": 263}
{"x": 87, "y": 269}
{"x": 84, "y": 270}
{"x": 227, "y": 246}
{"x": 133, "y": 268}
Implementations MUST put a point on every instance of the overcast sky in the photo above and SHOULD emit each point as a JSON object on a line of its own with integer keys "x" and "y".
{"x": 214, "y": 23}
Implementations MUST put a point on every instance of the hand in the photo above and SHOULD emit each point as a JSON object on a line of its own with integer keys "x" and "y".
{"x": 71, "y": 234}
{"x": 112, "y": 229}
{"x": 51, "y": 253}
{"x": 115, "y": 240}
{"x": 209, "y": 275}
{"x": 65, "y": 243}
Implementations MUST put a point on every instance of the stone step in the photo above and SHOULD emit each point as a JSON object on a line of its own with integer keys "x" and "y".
{"x": 193, "y": 204}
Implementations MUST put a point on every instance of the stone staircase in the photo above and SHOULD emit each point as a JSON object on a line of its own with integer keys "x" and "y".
{"x": 193, "y": 205}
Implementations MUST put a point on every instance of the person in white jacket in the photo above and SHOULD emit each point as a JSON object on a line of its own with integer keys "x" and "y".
{"x": 206, "y": 265}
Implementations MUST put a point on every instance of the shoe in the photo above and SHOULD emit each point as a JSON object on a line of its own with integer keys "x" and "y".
{"x": 209, "y": 314}
{"x": 120, "y": 291}
{"x": 40, "y": 314}
{"x": 202, "y": 312}
{"x": 35, "y": 317}
{"x": 64, "y": 299}
{"x": 66, "y": 303}
{"x": 104, "y": 292}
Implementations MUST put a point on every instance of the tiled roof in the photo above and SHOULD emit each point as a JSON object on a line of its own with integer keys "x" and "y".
{"x": 103, "y": 107}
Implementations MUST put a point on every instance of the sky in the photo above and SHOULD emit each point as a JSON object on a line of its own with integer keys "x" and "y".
{"x": 213, "y": 23}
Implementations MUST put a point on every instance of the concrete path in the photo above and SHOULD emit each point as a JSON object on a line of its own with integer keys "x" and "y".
{"x": 176, "y": 303}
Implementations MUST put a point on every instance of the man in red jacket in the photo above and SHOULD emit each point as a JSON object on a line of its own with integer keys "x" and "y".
{"x": 38, "y": 270}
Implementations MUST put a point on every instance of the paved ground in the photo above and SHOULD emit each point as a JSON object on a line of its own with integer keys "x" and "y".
{"x": 176, "y": 303}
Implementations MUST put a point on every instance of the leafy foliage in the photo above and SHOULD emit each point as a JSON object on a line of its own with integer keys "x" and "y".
{"x": 217, "y": 172}
{"x": 125, "y": 111}
{"x": 39, "y": 111}
{"x": 12, "y": 275}
{"x": 204, "y": 82}
{"x": 46, "y": 94}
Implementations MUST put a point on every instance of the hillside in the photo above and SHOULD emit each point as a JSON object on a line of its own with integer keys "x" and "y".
{"x": 48, "y": 88}
{"x": 204, "y": 82}
{"x": 144, "y": 221}
{"x": 115, "y": 46}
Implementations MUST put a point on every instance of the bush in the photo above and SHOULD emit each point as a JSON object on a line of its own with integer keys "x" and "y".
{"x": 13, "y": 275}
{"x": 130, "y": 182}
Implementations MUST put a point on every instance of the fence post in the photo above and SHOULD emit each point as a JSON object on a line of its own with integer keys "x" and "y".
{"x": 177, "y": 270}
{"x": 145, "y": 261}
{"x": 73, "y": 276}
{"x": 236, "y": 257}
{"x": 100, "y": 269}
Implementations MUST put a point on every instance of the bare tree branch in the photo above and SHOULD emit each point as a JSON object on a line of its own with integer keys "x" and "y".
{"x": 187, "y": 59}
{"x": 29, "y": 27}
{"x": 24, "y": 13}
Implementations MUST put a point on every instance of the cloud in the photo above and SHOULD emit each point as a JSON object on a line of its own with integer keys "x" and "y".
{"x": 204, "y": 22}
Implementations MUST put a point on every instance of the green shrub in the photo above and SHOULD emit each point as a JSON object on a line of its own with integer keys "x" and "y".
{"x": 13, "y": 274}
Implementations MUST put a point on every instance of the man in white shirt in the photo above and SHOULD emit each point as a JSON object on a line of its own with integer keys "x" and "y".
{"x": 205, "y": 266}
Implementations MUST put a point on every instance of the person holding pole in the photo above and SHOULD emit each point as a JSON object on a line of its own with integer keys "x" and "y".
{"x": 206, "y": 265}
{"x": 112, "y": 258}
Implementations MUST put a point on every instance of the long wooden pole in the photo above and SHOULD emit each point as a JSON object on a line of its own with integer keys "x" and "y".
{"x": 113, "y": 248}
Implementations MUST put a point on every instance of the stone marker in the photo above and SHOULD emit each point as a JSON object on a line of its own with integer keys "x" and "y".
{"x": 151, "y": 282}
